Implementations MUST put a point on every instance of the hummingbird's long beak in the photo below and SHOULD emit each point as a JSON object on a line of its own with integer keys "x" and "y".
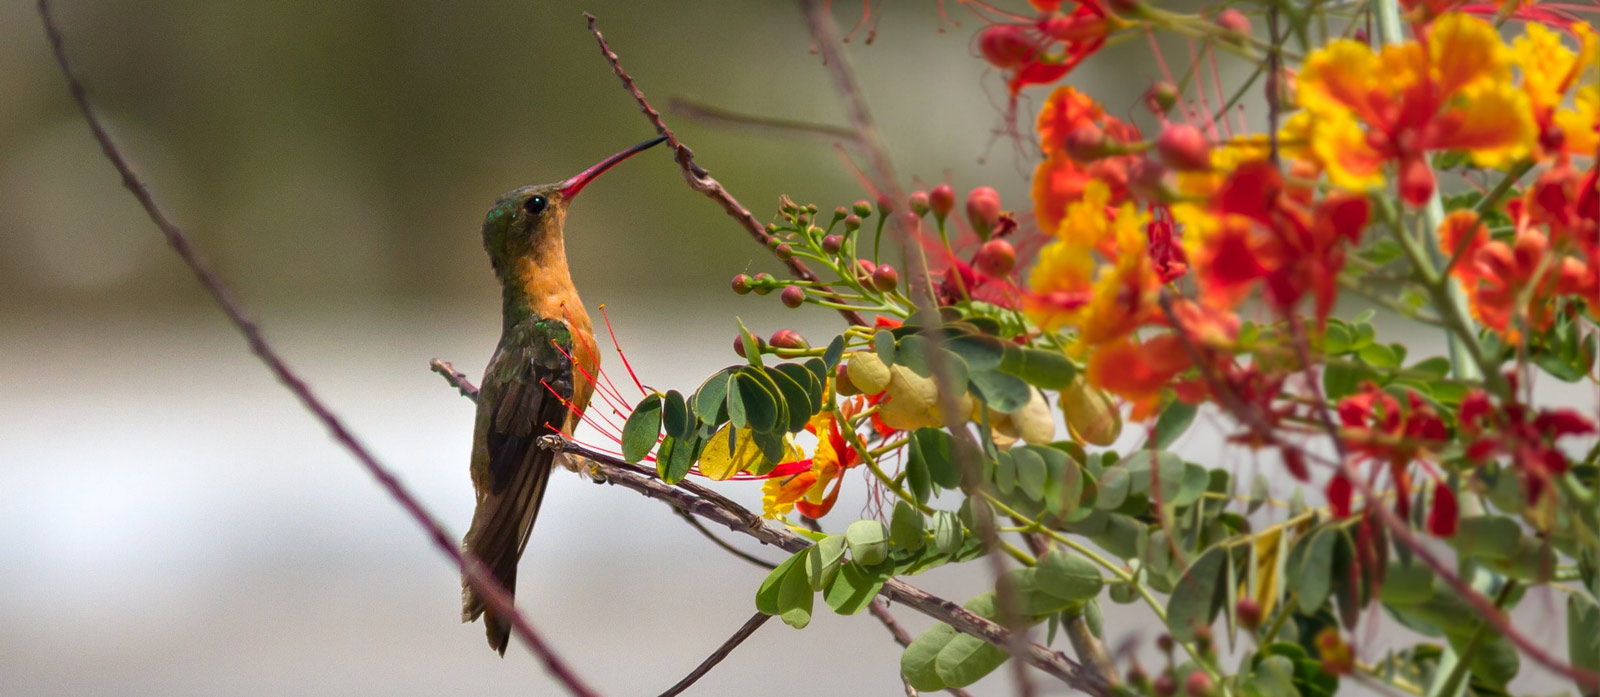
{"x": 571, "y": 187}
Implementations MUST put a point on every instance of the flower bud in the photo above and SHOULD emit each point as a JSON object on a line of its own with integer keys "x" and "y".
{"x": 1005, "y": 46}
{"x": 1164, "y": 643}
{"x": 942, "y": 199}
{"x": 738, "y": 345}
{"x": 793, "y": 296}
{"x": 1198, "y": 684}
{"x": 885, "y": 278}
{"x": 742, "y": 284}
{"x": 1033, "y": 421}
{"x": 839, "y": 213}
{"x": 1249, "y": 613}
{"x": 772, "y": 228}
{"x": 787, "y": 339}
{"x": 919, "y": 203}
{"x": 862, "y": 209}
{"x": 983, "y": 210}
{"x": 1416, "y": 180}
{"x": 764, "y": 283}
{"x": 852, "y": 223}
{"x": 1148, "y": 180}
{"x": 864, "y": 269}
{"x": 803, "y": 219}
{"x": 1165, "y": 686}
{"x": 1360, "y": 36}
{"x": 1184, "y": 148}
{"x": 1091, "y": 415}
{"x": 832, "y": 244}
{"x": 1234, "y": 22}
{"x": 1202, "y": 639}
{"x": 784, "y": 251}
{"x": 996, "y": 258}
{"x": 786, "y": 204}
{"x": 1161, "y": 97}
{"x": 885, "y": 204}
{"x": 1085, "y": 143}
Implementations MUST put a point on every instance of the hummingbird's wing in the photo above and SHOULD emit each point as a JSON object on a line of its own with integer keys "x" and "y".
{"x": 523, "y": 399}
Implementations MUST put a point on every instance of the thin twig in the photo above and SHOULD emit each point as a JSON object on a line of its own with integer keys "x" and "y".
{"x": 456, "y": 378}
{"x": 727, "y": 647}
{"x": 700, "y": 180}
{"x": 724, "y": 544}
{"x": 471, "y": 568}
{"x": 766, "y": 125}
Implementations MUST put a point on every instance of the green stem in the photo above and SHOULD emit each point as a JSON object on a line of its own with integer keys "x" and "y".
{"x": 1456, "y": 678}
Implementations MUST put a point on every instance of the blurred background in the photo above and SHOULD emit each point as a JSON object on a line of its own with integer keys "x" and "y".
{"x": 171, "y": 522}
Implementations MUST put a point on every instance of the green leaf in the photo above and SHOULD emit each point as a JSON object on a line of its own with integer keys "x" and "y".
{"x": 1022, "y": 587}
{"x": 1173, "y": 422}
{"x": 1437, "y": 367}
{"x": 1124, "y": 536}
{"x": 853, "y": 588}
{"x": 796, "y": 400}
{"x": 675, "y": 416}
{"x": 1314, "y": 578}
{"x": 1258, "y": 492}
{"x": 767, "y": 594}
{"x": 917, "y": 477}
{"x": 906, "y": 527}
{"x": 1068, "y": 575}
{"x": 1196, "y": 480}
{"x": 640, "y": 431}
{"x": 1198, "y": 595}
{"x": 966, "y": 659}
{"x": 750, "y": 340}
{"x": 918, "y": 662}
{"x": 835, "y": 351}
{"x": 883, "y": 344}
{"x": 1336, "y": 338}
{"x": 1031, "y": 472}
{"x": 947, "y": 533}
{"x": 1002, "y": 392}
{"x": 1406, "y": 584}
{"x": 1047, "y": 370}
{"x": 1114, "y": 485}
{"x": 937, "y": 451}
{"x": 1273, "y": 676}
{"x": 1005, "y": 472}
{"x": 795, "y": 597}
{"x": 804, "y": 377}
{"x": 981, "y": 353}
{"x": 823, "y": 561}
{"x": 1490, "y": 537}
{"x": 1379, "y": 356}
{"x": 751, "y": 402}
{"x": 914, "y": 352}
{"x": 1342, "y": 380}
{"x": 869, "y": 541}
{"x": 708, "y": 402}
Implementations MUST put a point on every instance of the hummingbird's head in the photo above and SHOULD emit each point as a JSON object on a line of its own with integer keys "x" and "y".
{"x": 527, "y": 223}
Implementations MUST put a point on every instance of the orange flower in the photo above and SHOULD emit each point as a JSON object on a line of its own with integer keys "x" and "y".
{"x": 809, "y": 490}
{"x": 1075, "y": 133}
{"x": 1067, "y": 291}
{"x": 1550, "y": 71}
{"x": 1451, "y": 91}
{"x": 1138, "y": 372}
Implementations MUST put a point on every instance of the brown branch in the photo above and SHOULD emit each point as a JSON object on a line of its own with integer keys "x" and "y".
{"x": 700, "y": 180}
{"x": 727, "y": 647}
{"x": 765, "y": 125}
{"x": 456, "y": 378}
{"x": 724, "y": 544}
{"x": 471, "y": 568}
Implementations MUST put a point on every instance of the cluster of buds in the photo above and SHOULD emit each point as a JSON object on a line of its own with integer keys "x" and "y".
{"x": 801, "y": 232}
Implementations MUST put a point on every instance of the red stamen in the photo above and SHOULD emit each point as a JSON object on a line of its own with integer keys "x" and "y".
{"x": 607, "y": 317}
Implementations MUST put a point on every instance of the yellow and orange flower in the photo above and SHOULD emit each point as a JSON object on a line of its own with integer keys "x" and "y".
{"x": 1103, "y": 304}
{"x": 810, "y": 490}
{"x": 1069, "y": 118}
{"x": 1550, "y": 71}
{"x": 1450, "y": 91}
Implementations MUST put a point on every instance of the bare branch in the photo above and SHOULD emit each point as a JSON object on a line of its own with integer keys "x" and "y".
{"x": 471, "y": 568}
{"x": 766, "y": 125}
{"x": 727, "y": 647}
{"x": 700, "y": 180}
{"x": 456, "y": 378}
{"x": 724, "y": 544}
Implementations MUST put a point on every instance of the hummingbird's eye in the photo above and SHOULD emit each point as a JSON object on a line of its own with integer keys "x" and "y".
{"x": 535, "y": 205}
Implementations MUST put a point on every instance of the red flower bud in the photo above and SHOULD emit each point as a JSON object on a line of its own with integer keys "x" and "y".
{"x": 842, "y": 384}
{"x": 885, "y": 204}
{"x": 1184, "y": 148}
{"x": 1445, "y": 514}
{"x": 1165, "y": 686}
{"x": 885, "y": 278}
{"x": 942, "y": 199}
{"x": 738, "y": 345}
{"x": 1198, "y": 684}
{"x": 996, "y": 258}
{"x": 763, "y": 283}
{"x": 793, "y": 296}
{"x": 1164, "y": 643}
{"x": 1416, "y": 180}
{"x": 783, "y": 251}
{"x": 983, "y": 210}
{"x": 787, "y": 339}
{"x": 1085, "y": 143}
{"x": 1005, "y": 46}
{"x": 1249, "y": 613}
{"x": 832, "y": 244}
{"x": 1161, "y": 97}
{"x": 741, "y": 284}
{"x": 1234, "y": 21}
{"x": 919, "y": 202}
{"x": 862, "y": 209}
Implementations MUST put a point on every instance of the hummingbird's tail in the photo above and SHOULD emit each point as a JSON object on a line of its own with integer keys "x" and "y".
{"x": 499, "y": 532}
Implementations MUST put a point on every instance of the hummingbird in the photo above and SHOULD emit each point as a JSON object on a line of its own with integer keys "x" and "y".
{"x": 538, "y": 381}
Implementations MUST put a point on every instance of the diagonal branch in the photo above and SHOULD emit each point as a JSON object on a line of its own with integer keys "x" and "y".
{"x": 700, "y": 180}
{"x": 471, "y": 568}
{"x": 750, "y": 626}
